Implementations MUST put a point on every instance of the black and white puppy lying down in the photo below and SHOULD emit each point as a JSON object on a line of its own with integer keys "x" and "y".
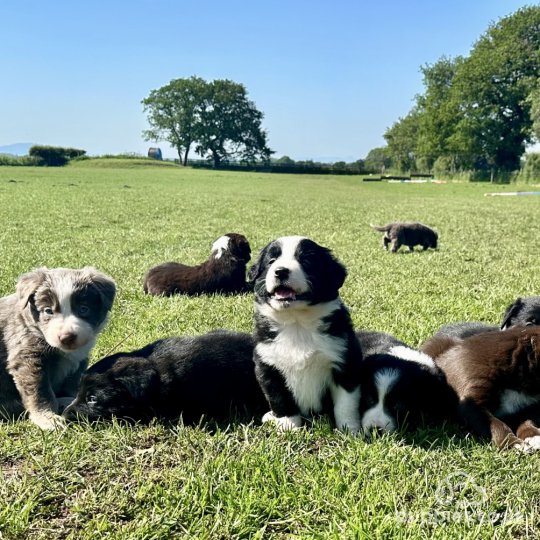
{"x": 306, "y": 352}
{"x": 211, "y": 375}
{"x": 522, "y": 312}
{"x": 401, "y": 387}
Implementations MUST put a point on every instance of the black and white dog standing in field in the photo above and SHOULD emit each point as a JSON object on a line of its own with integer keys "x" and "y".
{"x": 306, "y": 351}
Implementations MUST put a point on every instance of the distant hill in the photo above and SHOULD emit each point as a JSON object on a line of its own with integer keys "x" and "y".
{"x": 17, "y": 149}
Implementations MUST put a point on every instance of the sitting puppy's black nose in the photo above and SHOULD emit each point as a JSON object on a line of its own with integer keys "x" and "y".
{"x": 67, "y": 338}
{"x": 282, "y": 273}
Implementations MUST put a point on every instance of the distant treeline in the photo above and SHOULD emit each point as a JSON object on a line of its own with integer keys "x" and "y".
{"x": 376, "y": 163}
{"x": 286, "y": 165}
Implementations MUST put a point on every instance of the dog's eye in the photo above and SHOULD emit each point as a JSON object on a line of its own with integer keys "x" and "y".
{"x": 84, "y": 310}
{"x": 48, "y": 311}
{"x": 530, "y": 322}
{"x": 272, "y": 260}
{"x": 91, "y": 399}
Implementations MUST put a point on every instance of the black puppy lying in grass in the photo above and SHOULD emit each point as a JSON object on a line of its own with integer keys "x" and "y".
{"x": 211, "y": 375}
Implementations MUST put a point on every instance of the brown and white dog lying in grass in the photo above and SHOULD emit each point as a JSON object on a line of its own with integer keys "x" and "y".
{"x": 47, "y": 329}
{"x": 407, "y": 234}
{"x": 223, "y": 272}
{"x": 496, "y": 376}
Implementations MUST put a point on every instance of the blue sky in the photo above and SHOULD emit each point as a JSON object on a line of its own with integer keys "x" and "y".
{"x": 330, "y": 76}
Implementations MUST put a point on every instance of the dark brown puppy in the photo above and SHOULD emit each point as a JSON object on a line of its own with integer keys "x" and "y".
{"x": 223, "y": 272}
{"x": 496, "y": 376}
{"x": 407, "y": 234}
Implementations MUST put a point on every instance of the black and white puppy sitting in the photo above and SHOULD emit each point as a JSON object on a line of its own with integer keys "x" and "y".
{"x": 400, "y": 385}
{"x": 224, "y": 272}
{"x": 306, "y": 351}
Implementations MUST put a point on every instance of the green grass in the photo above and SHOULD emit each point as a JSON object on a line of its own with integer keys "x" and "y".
{"x": 163, "y": 481}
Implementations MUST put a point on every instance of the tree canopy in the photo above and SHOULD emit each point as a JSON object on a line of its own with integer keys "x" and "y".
{"x": 479, "y": 111}
{"x": 216, "y": 117}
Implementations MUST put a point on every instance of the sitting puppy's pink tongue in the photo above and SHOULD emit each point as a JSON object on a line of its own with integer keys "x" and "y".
{"x": 284, "y": 293}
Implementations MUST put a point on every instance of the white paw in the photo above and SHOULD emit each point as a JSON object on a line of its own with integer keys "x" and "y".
{"x": 284, "y": 423}
{"x": 48, "y": 421}
{"x": 522, "y": 447}
{"x": 533, "y": 442}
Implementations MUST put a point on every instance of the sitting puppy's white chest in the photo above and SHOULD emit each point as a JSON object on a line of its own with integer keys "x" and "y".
{"x": 305, "y": 357}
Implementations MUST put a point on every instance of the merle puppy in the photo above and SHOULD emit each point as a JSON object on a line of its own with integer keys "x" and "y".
{"x": 407, "y": 234}
{"x": 496, "y": 376}
{"x": 400, "y": 385}
{"x": 223, "y": 272}
{"x": 306, "y": 350}
{"x": 211, "y": 375}
{"x": 47, "y": 329}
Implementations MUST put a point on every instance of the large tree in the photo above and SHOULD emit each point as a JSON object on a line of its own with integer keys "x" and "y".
{"x": 217, "y": 117}
{"x": 230, "y": 125}
{"x": 437, "y": 112}
{"x": 480, "y": 111}
{"x": 492, "y": 86}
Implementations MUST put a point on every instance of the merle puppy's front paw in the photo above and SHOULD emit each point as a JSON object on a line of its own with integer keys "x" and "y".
{"x": 48, "y": 421}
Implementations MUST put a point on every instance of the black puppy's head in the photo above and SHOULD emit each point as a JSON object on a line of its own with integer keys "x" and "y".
{"x": 295, "y": 271}
{"x": 523, "y": 312}
{"x": 434, "y": 240}
{"x": 127, "y": 390}
{"x": 233, "y": 244}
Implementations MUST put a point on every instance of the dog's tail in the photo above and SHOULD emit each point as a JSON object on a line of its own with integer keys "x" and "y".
{"x": 384, "y": 228}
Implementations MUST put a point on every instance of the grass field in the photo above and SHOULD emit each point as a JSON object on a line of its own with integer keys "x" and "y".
{"x": 162, "y": 481}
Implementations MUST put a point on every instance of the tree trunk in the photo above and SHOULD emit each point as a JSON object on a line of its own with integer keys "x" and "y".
{"x": 179, "y": 150}
{"x": 217, "y": 159}
{"x": 185, "y": 156}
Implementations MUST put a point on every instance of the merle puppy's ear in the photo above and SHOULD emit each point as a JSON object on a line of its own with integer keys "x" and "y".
{"x": 511, "y": 311}
{"x": 28, "y": 284}
{"x": 104, "y": 284}
{"x": 257, "y": 267}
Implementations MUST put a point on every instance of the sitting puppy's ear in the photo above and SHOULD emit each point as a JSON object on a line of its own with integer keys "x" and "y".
{"x": 334, "y": 271}
{"x": 105, "y": 286}
{"x": 511, "y": 311}
{"x": 257, "y": 267}
{"x": 28, "y": 284}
